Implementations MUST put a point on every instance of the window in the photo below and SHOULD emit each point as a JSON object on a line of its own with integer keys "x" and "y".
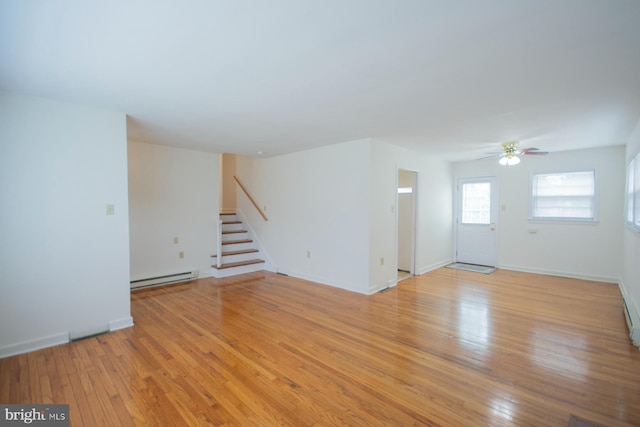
{"x": 564, "y": 196}
{"x": 476, "y": 203}
{"x": 633, "y": 193}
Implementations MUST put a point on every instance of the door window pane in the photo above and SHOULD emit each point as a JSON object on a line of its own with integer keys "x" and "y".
{"x": 476, "y": 203}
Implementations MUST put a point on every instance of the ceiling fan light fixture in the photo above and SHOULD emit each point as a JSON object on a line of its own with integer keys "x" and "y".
{"x": 509, "y": 160}
{"x": 510, "y": 150}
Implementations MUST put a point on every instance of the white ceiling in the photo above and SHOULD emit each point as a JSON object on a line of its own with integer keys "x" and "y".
{"x": 451, "y": 78}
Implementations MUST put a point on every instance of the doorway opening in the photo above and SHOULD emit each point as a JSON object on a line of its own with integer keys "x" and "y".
{"x": 406, "y": 223}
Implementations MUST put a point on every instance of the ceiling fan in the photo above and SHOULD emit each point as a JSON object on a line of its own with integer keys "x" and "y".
{"x": 509, "y": 157}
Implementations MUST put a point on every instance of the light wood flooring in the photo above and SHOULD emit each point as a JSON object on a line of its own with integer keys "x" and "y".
{"x": 448, "y": 348}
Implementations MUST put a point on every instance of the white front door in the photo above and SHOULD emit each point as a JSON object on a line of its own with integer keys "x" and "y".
{"x": 476, "y": 221}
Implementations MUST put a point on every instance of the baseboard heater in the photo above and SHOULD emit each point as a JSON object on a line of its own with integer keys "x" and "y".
{"x": 634, "y": 332}
{"x": 164, "y": 280}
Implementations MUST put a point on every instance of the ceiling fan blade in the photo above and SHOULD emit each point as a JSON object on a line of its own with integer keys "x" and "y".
{"x": 494, "y": 155}
{"x": 535, "y": 153}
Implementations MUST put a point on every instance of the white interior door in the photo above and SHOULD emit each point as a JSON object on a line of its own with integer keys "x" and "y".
{"x": 476, "y": 241}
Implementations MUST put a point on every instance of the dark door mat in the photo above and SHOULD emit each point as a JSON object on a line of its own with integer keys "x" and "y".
{"x": 472, "y": 267}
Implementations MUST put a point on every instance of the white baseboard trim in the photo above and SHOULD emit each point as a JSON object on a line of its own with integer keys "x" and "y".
{"x": 323, "y": 281}
{"x": 125, "y": 322}
{"x": 33, "y": 345}
{"x": 570, "y": 275}
{"x": 390, "y": 284}
{"x": 433, "y": 266}
{"x": 53, "y": 340}
{"x": 394, "y": 282}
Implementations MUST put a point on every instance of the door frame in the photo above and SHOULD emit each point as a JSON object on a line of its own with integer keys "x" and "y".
{"x": 494, "y": 211}
{"x": 413, "y": 223}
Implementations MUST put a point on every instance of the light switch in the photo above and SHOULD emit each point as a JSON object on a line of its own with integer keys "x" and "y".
{"x": 111, "y": 210}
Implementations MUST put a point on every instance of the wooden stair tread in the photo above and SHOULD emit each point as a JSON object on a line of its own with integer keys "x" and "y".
{"x": 238, "y": 264}
{"x": 231, "y": 234}
{"x": 244, "y": 251}
{"x": 232, "y": 242}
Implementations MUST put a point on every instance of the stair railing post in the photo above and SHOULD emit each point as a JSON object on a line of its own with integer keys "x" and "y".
{"x": 219, "y": 249}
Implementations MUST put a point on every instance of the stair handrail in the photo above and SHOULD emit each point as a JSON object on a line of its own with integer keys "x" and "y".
{"x": 219, "y": 248}
{"x": 251, "y": 199}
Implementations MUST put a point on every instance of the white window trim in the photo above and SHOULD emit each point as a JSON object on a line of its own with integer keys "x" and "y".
{"x": 565, "y": 220}
{"x": 634, "y": 224}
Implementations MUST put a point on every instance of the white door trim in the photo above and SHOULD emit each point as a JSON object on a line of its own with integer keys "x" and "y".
{"x": 413, "y": 221}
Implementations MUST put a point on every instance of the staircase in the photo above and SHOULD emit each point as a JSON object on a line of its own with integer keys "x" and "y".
{"x": 239, "y": 253}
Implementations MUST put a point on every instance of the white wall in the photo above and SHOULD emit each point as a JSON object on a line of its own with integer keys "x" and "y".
{"x": 630, "y": 283}
{"x": 434, "y": 212}
{"x": 173, "y": 192}
{"x": 316, "y": 201}
{"x": 227, "y": 183}
{"x": 339, "y": 203}
{"x": 64, "y": 261}
{"x": 592, "y": 251}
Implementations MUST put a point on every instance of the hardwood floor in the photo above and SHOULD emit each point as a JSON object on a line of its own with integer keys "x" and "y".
{"x": 449, "y": 348}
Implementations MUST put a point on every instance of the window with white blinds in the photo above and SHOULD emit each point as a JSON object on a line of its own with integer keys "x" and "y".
{"x": 564, "y": 196}
{"x": 633, "y": 193}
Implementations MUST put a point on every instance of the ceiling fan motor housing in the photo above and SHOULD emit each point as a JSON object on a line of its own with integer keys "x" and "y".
{"x": 510, "y": 148}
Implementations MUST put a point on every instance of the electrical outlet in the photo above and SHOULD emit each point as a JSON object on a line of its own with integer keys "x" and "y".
{"x": 181, "y": 255}
{"x": 308, "y": 254}
{"x": 175, "y": 240}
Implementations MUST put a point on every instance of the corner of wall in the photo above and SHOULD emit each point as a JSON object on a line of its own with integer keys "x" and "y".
{"x": 125, "y": 322}
{"x": 434, "y": 266}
